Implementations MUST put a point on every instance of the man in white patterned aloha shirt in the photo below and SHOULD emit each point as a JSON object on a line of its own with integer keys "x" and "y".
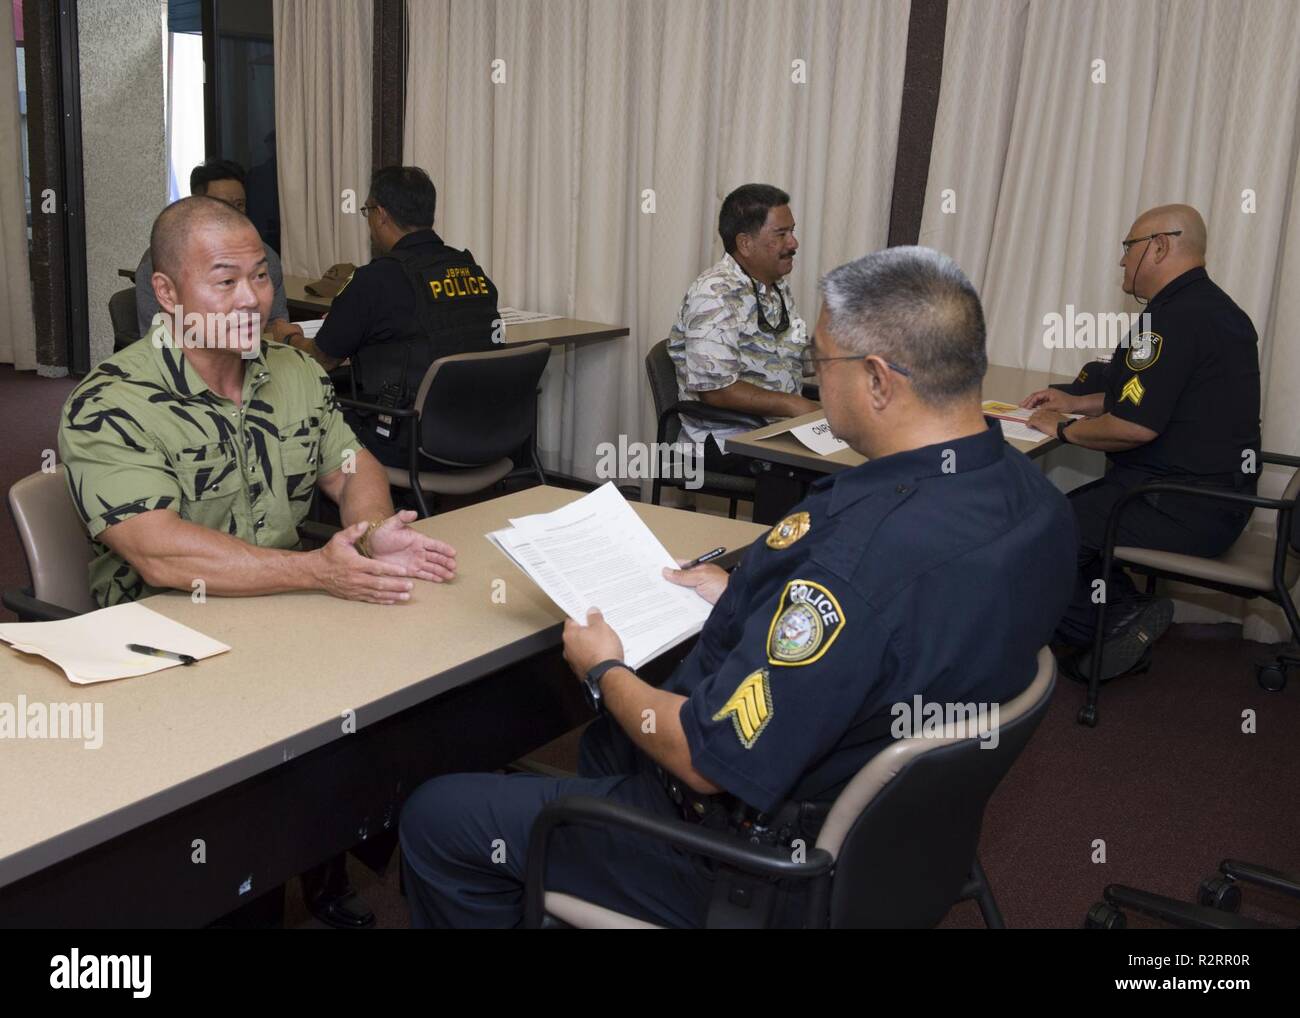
{"x": 738, "y": 340}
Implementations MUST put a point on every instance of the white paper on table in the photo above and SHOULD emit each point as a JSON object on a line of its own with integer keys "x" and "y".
{"x": 597, "y": 553}
{"x": 1013, "y": 419}
{"x": 1015, "y": 432}
{"x": 513, "y": 316}
{"x": 310, "y": 327}
{"x": 92, "y": 647}
{"x": 818, "y": 437}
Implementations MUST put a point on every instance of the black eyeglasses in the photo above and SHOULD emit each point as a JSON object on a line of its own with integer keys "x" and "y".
{"x": 809, "y": 361}
{"x": 763, "y": 323}
{"x": 1138, "y": 240}
{"x": 365, "y": 210}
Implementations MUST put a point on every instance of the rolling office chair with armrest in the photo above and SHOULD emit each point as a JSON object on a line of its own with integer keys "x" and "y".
{"x": 1218, "y": 899}
{"x": 1257, "y": 565}
{"x": 122, "y": 312}
{"x": 897, "y": 849}
{"x": 472, "y": 411}
{"x": 58, "y": 551}
{"x": 663, "y": 388}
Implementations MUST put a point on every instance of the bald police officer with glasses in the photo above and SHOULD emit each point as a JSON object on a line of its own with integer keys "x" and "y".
{"x": 1178, "y": 402}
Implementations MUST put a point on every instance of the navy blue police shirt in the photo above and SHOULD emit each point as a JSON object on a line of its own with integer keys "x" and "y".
{"x": 939, "y": 571}
{"x": 1192, "y": 376}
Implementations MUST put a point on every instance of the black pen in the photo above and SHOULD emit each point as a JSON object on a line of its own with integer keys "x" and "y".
{"x": 708, "y": 556}
{"x": 140, "y": 648}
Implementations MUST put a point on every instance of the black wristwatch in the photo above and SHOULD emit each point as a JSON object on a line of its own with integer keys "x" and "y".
{"x": 592, "y": 683}
{"x": 1060, "y": 430}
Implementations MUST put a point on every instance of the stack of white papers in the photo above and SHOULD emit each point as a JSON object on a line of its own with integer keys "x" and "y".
{"x": 1013, "y": 418}
{"x": 93, "y": 647}
{"x": 513, "y": 316}
{"x": 597, "y": 553}
{"x": 818, "y": 437}
{"x": 310, "y": 327}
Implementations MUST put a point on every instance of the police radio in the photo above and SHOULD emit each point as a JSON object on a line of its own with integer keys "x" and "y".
{"x": 391, "y": 396}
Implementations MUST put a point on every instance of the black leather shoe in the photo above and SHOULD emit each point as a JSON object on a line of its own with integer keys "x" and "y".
{"x": 344, "y": 911}
{"x": 1128, "y": 646}
{"x": 1070, "y": 668}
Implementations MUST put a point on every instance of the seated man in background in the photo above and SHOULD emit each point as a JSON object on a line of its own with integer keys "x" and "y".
{"x": 416, "y": 301}
{"x": 875, "y": 589}
{"x": 738, "y": 338}
{"x": 1179, "y": 402}
{"x": 224, "y": 181}
{"x": 192, "y": 461}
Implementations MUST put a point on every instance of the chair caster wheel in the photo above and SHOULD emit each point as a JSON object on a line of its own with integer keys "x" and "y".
{"x": 1271, "y": 677}
{"x": 1219, "y": 892}
{"x": 1105, "y": 917}
{"x": 1088, "y": 716}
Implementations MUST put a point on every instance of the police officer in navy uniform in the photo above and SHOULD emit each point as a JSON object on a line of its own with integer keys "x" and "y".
{"x": 875, "y": 589}
{"x": 418, "y": 300}
{"x": 1179, "y": 402}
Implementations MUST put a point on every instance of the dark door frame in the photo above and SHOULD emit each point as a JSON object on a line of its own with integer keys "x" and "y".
{"x": 58, "y": 251}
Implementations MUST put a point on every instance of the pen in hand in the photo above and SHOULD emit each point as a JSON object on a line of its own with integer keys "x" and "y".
{"x": 140, "y": 648}
{"x": 708, "y": 556}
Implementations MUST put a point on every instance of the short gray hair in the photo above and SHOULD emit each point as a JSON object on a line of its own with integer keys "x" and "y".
{"x": 912, "y": 306}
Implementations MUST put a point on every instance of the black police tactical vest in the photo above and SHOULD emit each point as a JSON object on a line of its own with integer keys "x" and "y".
{"x": 455, "y": 307}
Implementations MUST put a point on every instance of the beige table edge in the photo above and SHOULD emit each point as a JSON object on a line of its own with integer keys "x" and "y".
{"x": 59, "y": 799}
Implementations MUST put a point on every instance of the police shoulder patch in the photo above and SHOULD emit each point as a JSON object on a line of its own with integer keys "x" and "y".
{"x": 749, "y": 707}
{"x": 806, "y": 623}
{"x": 1144, "y": 350}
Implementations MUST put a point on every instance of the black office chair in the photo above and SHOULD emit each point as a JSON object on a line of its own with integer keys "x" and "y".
{"x": 1218, "y": 899}
{"x": 898, "y": 848}
{"x": 1257, "y": 565}
{"x": 663, "y": 388}
{"x": 122, "y": 312}
{"x": 471, "y": 413}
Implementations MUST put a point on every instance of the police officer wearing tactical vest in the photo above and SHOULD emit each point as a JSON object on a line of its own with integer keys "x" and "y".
{"x": 416, "y": 301}
{"x": 1179, "y": 402}
{"x": 875, "y": 589}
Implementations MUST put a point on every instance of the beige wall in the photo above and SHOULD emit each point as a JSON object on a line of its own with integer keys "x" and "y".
{"x": 124, "y": 146}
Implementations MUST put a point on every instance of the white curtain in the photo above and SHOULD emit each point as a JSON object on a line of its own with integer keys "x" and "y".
{"x": 322, "y": 121}
{"x": 1043, "y": 157}
{"x": 602, "y": 110}
{"x": 17, "y": 328}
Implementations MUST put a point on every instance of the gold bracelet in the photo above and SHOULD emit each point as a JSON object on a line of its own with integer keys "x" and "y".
{"x": 363, "y": 545}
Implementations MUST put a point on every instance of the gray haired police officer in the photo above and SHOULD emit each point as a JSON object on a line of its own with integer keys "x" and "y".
{"x": 875, "y": 589}
{"x": 1179, "y": 402}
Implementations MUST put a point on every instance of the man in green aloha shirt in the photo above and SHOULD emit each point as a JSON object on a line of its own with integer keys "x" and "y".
{"x": 194, "y": 453}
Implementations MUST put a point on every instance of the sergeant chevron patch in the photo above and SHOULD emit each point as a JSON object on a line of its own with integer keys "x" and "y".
{"x": 1132, "y": 391}
{"x": 749, "y": 707}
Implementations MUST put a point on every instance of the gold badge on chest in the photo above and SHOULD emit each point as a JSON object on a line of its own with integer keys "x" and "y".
{"x": 789, "y": 530}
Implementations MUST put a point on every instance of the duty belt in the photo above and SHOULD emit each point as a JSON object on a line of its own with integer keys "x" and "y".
{"x": 725, "y": 812}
